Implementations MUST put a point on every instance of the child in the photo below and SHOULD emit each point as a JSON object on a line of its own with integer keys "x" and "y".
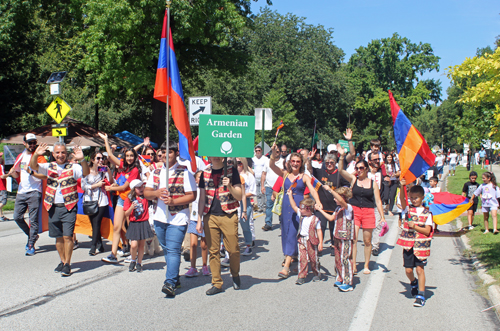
{"x": 193, "y": 272}
{"x": 344, "y": 238}
{"x": 3, "y": 188}
{"x": 398, "y": 203}
{"x": 433, "y": 188}
{"x": 489, "y": 194}
{"x": 468, "y": 191}
{"x": 136, "y": 210}
{"x": 310, "y": 238}
{"x": 415, "y": 238}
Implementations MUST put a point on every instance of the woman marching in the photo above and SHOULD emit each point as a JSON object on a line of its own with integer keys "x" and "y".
{"x": 128, "y": 170}
{"x": 93, "y": 186}
{"x": 365, "y": 198}
{"x": 296, "y": 180}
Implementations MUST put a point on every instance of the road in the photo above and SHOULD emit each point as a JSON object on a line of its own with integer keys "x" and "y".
{"x": 100, "y": 296}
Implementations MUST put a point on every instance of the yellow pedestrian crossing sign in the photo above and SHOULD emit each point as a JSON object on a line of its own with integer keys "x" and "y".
{"x": 58, "y": 109}
{"x": 59, "y": 132}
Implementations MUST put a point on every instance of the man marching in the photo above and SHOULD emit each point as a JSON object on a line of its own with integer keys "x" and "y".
{"x": 61, "y": 197}
{"x": 29, "y": 192}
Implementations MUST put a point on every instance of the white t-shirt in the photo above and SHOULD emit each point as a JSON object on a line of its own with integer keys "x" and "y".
{"x": 316, "y": 164}
{"x": 439, "y": 160}
{"x": 162, "y": 213}
{"x": 77, "y": 174}
{"x": 271, "y": 176}
{"x": 390, "y": 171}
{"x": 259, "y": 165}
{"x": 144, "y": 171}
{"x": 453, "y": 158}
{"x": 28, "y": 183}
{"x": 377, "y": 177}
{"x": 489, "y": 195}
{"x": 194, "y": 206}
{"x": 93, "y": 194}
{"x": 250, "y": 186}
{"x": 200, "y": 165}
{"x": 351, "y": 167}
{"x": 436, "y": 189}
{"x": 419, "y": 210}
{"x": 306, "y": 224}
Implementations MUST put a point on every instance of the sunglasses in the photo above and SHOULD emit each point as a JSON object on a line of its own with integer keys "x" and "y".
{"x": 329, "y": 163}
{"x": 284, "y": 151}
{"x": 32, "y": 142}
{"x": 360, "y": 168}
{"x": 98, "y": 158}
{"x": 377, "y": 160}
{"x": 150, "y": 154}
{"x": 239, "y": 163}
{"x": 258, "y": 150}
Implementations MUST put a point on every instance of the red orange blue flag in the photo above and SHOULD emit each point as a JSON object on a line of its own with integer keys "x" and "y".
{"x": 171, "y": 86}
{"x": 446, "y": 207}
{"x": 415, "y": 156}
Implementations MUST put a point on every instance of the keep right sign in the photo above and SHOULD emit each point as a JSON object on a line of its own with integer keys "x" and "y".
{"x": 199, "y": 106}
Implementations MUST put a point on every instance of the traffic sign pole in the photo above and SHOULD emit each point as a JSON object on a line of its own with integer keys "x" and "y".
{"x": 263, "y": 126}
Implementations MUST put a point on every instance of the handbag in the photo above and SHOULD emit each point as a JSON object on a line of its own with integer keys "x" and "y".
{"x": 92, "y": 207}
{"x": 279, "y": 200}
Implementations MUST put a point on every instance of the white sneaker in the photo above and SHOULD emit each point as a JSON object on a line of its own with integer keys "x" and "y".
{"x": 225, "y": 262}
{"x": 247, "y": 252}
{"x": 128, "y": 259}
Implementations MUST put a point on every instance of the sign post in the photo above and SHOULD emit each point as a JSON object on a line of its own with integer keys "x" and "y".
{"x": 199, "y": 106}
{"x": 263, "y": 120}
{"x": 226, "y": 135}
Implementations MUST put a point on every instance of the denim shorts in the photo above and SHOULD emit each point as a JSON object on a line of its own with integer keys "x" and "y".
{"x": 120, "y": 202}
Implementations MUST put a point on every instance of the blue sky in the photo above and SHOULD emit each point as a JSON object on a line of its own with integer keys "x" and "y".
{"x": 455, "y": 29}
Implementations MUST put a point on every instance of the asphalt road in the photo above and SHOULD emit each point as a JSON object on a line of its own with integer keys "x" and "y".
{"x": 100, "y": 296}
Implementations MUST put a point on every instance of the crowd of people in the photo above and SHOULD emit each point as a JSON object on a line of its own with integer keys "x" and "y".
{"x": 341, "y": 190}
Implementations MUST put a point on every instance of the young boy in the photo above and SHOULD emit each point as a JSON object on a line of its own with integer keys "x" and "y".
{"x": 415, "y": 239}
{"x": 310, "y": 238}
{"x": 344, "y": 238}
{"x": 468, "y": 191}
{"x": 433, "y": 188}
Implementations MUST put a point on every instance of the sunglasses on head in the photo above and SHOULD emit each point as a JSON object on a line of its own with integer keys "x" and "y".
{"x": 360, "y": 168}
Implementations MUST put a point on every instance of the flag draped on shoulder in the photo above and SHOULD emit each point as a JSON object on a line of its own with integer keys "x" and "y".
{"x": 415, "y": 156}
{"x": 171, "y": 86}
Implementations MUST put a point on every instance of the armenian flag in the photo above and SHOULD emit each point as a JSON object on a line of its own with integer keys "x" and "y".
{"x": 315, "y": 183}
{"x": 415, "y": 156}
{"x": 446, "y": 207}
{"x": 171, "y": 86}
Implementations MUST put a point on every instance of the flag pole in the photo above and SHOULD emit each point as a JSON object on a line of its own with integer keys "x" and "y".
{"x": 314, "y": 135}
{"x": 167, "y": 166}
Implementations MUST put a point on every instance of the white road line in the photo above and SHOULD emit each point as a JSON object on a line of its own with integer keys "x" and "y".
{"x": 363, "y": 316}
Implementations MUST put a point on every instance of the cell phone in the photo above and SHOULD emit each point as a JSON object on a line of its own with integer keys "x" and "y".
{"x": 102, "y": 169}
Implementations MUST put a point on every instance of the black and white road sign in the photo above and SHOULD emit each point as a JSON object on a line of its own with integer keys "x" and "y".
{"x": 198, "y": 106}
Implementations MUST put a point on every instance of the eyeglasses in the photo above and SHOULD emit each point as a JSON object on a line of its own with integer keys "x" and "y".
{"x": 98, "y": 158}
{"x": 284, "y": 151}
{"x": 377, "y": 160}
{"x": 32, "y": 142}
{"x": 360, "y": 168}
{"x": 258, "y": 151}
{"x": 150, "y": 154}
{"x": 330, "y": 163}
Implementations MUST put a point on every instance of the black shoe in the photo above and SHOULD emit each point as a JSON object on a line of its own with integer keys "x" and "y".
{"x": 236, "y": 282}
{"x": 131, "y": 267}
{"x": 92, "y": 251}
{"x": 332, "y": 251}
{"x": 168, "y": 289}
{"x": 419, "y": 301}
{"x": 187, "y": 255}
{"x": 138, "y": 267}
{"x": 66, "y": 270}
{"x": 414, "y": 288}
{"x": 300, "y": 281}
{"x": 59, "y": 267}
{"x": 213, "y": 290}
{"x": 266, "y": 227}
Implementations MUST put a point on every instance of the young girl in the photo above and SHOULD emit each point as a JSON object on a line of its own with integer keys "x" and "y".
{"x": 136, "y": 210}
{"x": 489, "y": 194}
{"x": 192, "y": 272}
{"x": 129, "y": 170}
{"x": 310, "y": 238}
{"x": 344, "y": 238}
{"x": 3, "y": 188}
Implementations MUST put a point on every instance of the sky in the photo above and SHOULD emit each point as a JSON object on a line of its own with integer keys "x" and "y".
{"x": 454, "y": 29}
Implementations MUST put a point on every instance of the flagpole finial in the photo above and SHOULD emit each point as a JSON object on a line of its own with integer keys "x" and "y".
{"x": 167, "y": 3}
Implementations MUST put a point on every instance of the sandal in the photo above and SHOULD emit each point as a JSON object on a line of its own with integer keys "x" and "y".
{"x": 366, "y": 271}
{"x": 284, "y": 274}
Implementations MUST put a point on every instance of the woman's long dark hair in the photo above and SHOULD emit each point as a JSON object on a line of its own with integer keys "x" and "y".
{"x": 135, "y": 164}
{"x": 92, "y": 157}
{"x": 393, "y": 163}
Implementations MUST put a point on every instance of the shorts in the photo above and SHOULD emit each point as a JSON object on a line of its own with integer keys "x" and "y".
{"x": 61, "y": 221}
{"x": 120, "y": 202}
{"x": 488, "y": 209}
{"x": 483, "y": 159}
{"x": 473, "y": 207}
{"x": 192, "y": 228}
{"x": 364, "y": 217}
{"x": 440, "y": 170}
{"x": 3, "y": 197}
{"x": 453, "y": 166}
{"x": 411, "y": 261}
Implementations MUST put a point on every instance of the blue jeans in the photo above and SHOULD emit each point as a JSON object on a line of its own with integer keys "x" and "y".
{"x": 269, "y": 206}
{"x": 245, "y": 224}
{"x": 170, "y": 238}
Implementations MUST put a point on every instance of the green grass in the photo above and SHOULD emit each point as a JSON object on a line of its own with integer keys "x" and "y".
{"x": 9, "y": 205}
{"x": 486, "y": 247}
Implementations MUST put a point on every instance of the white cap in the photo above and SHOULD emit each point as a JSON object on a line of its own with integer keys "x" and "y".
{"x": 136, "y": 183}
{"x": 331, "y": 148}
{"x": 29, "y": 136}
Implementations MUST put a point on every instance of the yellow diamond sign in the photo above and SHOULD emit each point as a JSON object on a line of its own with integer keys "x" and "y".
{"x": 58, "y": 109}
{"x": 59, "y": 132}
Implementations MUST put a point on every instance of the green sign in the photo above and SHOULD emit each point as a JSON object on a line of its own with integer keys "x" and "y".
{"x": 226, "y": 135}
{"x": 345, "y": 144}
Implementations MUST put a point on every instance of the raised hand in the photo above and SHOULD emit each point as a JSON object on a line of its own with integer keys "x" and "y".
{"x": 103, "y": 136}
{"x": 312, "y": 153}
{"x": 78, "y": 153}
{"x": 41, "y": 149}
{"x": 146, "y": 141}
{"x": 348, "y": 134}
{"x": 341, "y": 150}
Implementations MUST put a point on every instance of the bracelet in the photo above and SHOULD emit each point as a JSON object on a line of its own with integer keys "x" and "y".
{"x": 349, "y": 139}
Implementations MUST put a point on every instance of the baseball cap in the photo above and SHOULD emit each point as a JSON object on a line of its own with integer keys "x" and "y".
{"x": 331, "y": 148}
{"x": 136, "y": 183}
{"x": 29, "y": 137}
